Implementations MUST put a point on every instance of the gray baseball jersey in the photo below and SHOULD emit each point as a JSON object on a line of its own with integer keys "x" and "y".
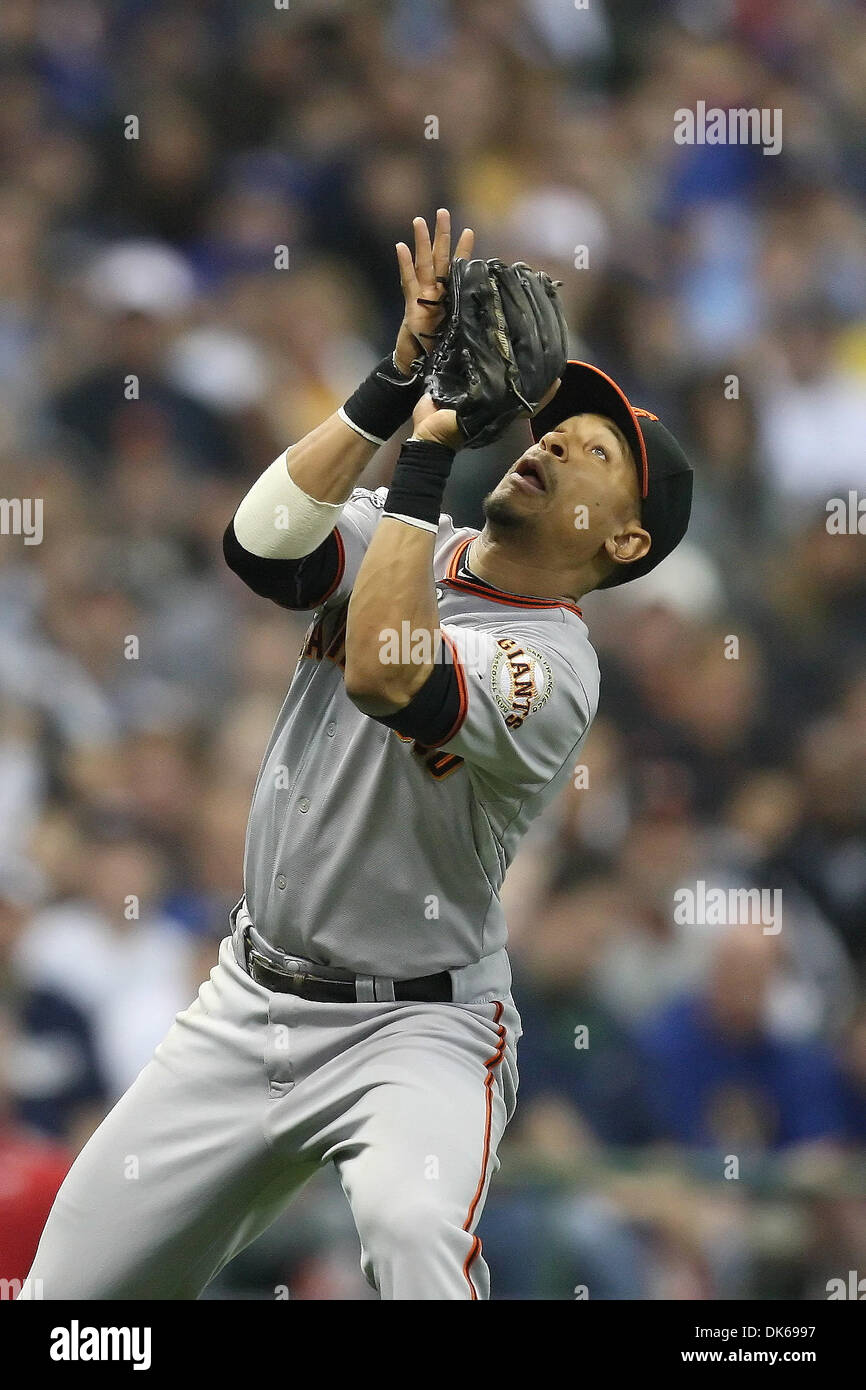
{"x": 368, "y": 851}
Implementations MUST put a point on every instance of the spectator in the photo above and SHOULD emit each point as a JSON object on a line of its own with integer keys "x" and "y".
{"x": 53, "y": 1082}
{"x": 31, "y": 1170}
{"x": 573, "y": 1048}
{"x": 720, "y": 1077}
{"x": 112, "y": 956}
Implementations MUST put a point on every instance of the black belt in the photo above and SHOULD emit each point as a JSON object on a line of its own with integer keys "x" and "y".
{"x": 330, "y": 986}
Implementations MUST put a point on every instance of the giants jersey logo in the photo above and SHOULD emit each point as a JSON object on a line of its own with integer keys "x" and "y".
{"x": 520, "y": 679}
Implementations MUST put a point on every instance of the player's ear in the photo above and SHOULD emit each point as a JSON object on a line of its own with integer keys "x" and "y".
{"x": 629, "y": 544}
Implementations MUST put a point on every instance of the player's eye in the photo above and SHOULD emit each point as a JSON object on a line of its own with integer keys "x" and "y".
{"x": 600, "y": 450}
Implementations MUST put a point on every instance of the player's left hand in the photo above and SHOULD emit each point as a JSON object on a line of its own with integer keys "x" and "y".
{"x": 422, "y": 278}
{"x": 503, "y": 345}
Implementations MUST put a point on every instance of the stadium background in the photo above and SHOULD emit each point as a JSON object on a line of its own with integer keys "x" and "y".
{"x": 125, "y": 774}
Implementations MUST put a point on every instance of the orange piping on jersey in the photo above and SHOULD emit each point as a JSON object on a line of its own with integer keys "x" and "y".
{"x": 454, "y": 564}
{"x": 509, "y": 600}
{"x": 490, "y": 1065}
{"x": 463, "y": 691}
{"x": 341, "y": 567}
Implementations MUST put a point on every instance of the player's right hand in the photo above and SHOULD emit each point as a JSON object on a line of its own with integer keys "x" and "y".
{"x": 422, "y": 278}
{"x": 440, "y": 426}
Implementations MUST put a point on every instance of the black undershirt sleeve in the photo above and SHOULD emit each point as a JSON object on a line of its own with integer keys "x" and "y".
{"x": 432, "y": 712}
{"x": 295, "y": 584}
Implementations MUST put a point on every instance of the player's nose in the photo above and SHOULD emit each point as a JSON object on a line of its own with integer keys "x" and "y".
{"x": 554, "y": 443}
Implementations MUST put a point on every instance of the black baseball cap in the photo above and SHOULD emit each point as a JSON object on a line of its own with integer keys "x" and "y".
{"x": 664, "y": 473}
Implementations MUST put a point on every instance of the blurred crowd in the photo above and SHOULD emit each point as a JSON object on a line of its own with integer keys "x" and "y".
{"x": 198, "y": 208}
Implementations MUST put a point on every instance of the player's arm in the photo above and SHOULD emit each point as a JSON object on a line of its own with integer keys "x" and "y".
{"x": 396, "y": 670}
{"x": 392, "y": 634}
{"x": 512, "y": 704}
{"x": 468, "y": 689}
{"x": 282, "y": 540}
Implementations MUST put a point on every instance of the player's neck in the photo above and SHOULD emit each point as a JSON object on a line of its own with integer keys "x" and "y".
{"x": 490, "y": 559}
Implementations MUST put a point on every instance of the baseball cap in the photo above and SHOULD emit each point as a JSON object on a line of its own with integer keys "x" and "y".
{"x": 665, "y": 475}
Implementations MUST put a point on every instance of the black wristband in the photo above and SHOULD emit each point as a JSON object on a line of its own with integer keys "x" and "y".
{"x": 418, "y": 484}
{"x": 384, "y": 401}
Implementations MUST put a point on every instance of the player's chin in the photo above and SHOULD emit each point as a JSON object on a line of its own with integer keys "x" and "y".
{"x": 500, "y": 509}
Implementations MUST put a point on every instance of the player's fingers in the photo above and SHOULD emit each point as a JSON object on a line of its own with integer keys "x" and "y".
{"x": 465, "y": 245}
{"x": 423, "y": 252}
{"x": 424, "y": 408}
{"x": 442, "y": 242}
{"x": 406, "y": 267}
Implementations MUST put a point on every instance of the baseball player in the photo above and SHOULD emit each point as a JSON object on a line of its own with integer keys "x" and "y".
{"x": 361, "y": 1010}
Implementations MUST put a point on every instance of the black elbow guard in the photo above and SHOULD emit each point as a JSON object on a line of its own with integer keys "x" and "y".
{"x": 294, "y": 584}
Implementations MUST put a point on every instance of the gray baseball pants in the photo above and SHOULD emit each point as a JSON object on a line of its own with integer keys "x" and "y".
{"x": 247, "y": 1095}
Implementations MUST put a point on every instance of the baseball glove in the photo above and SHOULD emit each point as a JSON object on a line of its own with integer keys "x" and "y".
{"x": 504, "y": 343}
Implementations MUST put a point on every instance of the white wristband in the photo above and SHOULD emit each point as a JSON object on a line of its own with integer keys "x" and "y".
{"x": 371, "y": 438}
{"x": 277, "y": 520}
{"x": 413, "y": 521}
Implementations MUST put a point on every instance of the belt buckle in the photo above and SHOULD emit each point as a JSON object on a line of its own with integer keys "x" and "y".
{"x": 255, "y": 957}
{"x": 297, "y": 977}
{"x": 292, "y": 971}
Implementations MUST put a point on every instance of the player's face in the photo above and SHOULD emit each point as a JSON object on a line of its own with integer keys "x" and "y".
{"x": 575, "y": 488}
